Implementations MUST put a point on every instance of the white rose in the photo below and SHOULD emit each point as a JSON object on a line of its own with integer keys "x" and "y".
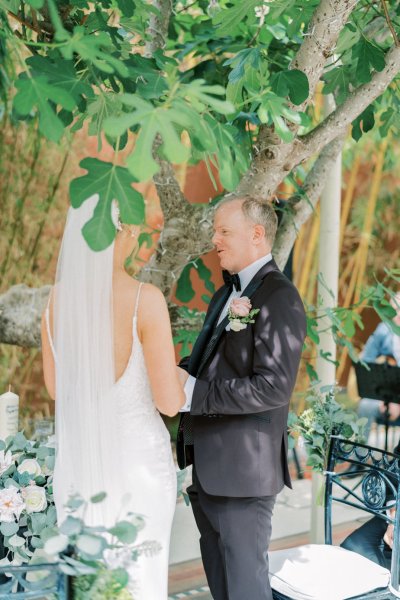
{"x": 11, "y": 504}
{"x": 237, "y": 325}
{"x": 6, "y": 461}
{"x": 35, "y": 498}
{"x": 31, "y": 466}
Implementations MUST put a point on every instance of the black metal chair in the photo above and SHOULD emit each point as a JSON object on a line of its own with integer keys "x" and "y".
{"x": 326, "y": 572}
{"x": 33, "y": 581}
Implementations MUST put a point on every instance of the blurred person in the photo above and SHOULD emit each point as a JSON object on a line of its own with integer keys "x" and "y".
{"x": 383, "y": 345}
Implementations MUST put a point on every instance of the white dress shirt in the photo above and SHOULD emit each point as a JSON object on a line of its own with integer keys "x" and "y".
{"x": 245, "y": 276}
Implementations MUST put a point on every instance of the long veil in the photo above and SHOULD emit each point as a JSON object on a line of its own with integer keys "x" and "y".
{"x": 86, "y": 426}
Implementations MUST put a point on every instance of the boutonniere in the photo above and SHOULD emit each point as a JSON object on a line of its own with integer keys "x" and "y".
{"x": 240, "y": 313}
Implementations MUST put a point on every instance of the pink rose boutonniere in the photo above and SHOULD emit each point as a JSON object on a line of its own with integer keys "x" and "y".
{"x": 240, "y": 313}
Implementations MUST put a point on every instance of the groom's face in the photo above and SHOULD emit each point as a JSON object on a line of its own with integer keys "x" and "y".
{"x": 233, "y": 237}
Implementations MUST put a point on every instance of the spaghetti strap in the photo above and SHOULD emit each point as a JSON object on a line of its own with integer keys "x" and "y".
{"x": 137, "y": 301}
{"x": 47, "y": 319}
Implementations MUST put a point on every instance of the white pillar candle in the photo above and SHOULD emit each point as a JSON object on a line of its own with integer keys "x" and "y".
{"x": 9, "y": 405}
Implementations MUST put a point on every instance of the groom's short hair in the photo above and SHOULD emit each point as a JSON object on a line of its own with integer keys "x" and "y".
{"x": 259, "y": 212}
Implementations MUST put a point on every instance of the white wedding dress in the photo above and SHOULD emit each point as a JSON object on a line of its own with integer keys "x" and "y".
{"x": 146, "y": 473}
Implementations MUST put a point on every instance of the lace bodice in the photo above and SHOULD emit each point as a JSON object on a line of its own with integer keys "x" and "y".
{"x": 132, "y": 390}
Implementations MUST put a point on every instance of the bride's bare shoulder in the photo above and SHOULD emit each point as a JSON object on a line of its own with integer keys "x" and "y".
{"x": 151, "y": 296}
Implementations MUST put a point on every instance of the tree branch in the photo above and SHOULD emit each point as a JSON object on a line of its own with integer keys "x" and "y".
{"x": 158, "y": 26}
{"x": 21, "y": 309}
{"x": 353, "y": 106}
{"x": 272, "y": 159}
{"x": 186, "y": 231}
{"x": 390, "y": 24}
{"x": 320, "y": 40}
{"x": 299, "y": 211}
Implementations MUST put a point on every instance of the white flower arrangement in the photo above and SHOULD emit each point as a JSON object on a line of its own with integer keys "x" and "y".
{"x": 97, "y": 557}
{"x": 26, "y": 497}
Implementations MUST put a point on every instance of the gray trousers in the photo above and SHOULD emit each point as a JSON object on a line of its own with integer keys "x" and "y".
{"x": 235, "y": 535}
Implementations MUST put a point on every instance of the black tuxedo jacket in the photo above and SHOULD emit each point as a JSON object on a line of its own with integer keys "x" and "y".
{"x": 244, "y": 383}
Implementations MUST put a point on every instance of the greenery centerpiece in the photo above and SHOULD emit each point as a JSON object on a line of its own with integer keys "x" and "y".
{"x": 324, "y": 417}
{"x": 96, "y": 557}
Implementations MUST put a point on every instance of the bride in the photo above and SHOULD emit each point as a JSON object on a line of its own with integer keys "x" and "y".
{"x": 109, "y": 363}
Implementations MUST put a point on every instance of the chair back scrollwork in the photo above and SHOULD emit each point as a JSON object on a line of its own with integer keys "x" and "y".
{"x": 376, "y": 491}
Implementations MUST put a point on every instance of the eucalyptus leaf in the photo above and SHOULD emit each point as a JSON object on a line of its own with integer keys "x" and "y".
{"x": 90, "y": 545}
{"x": 9, "y": 529}
{"x": 56, "y": 544}
{"x": 126, "y": 532}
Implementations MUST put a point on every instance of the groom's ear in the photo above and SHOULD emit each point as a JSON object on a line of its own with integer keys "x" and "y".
{"x": 258, "y": 234}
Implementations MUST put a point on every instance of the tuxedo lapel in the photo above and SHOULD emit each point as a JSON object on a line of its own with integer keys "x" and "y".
{"x": 249, "y": 291}
{"x": 205, "y": 334}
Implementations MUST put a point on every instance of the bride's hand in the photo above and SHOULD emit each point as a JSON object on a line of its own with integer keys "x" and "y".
{"x": 183, "y": 376}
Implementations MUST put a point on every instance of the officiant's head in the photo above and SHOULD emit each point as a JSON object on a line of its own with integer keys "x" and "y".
{"x": 244, "y": 231}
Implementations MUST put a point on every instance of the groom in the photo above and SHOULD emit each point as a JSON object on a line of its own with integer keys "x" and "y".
{"x": 238, "y": 383}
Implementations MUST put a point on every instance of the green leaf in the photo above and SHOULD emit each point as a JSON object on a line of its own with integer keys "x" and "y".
{"x": 184, "y": 289}
{"x": 199, "y": 91}
{"x": 90, "y": 545}
{"x": 96, "y": 48}
{"x": 227, "y": 20}
{"x": 9, "y": 529}
{"x": 312, "y": 332}
{"x": 36, "y": 542}
{"x": 110, "y": 182}
{"x": 274, "y": 109}
{"x": 60, "y": 73}
{"x": 368, "y": 57}
{"x": 71, "y": 526}
{"x": 121, "y": 577}
{"x": 36, "y": 4}
{"x": 337, "y": 82}
{"x": 43, "y": 451}
{"x": 56, "y": 544}
{"x": 16, "y": 541}
{"x": 363, "y": 123}
{"x": 187, "y": 339}
{"x": 205, "y": 274}
{"x": 38, "y": 522}
{"x": 311, "y": 372}
{"x": 98, "y": 497}
{"x": 125, "y": 532}
{"x": 126, "y": 7}
{"x": 292, "y": 83}
{"x": 242, "y": 62}
{"x": 153, "y": 121}
{"x": 35, "y": 93}
{"x": 348, "y": 325}
{"x": 103, "y": 106}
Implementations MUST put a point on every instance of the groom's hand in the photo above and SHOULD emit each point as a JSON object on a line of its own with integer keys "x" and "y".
{"x": 183, "y": 376}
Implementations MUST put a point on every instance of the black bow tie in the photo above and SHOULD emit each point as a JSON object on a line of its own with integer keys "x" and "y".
{"x": 232, "y": 280}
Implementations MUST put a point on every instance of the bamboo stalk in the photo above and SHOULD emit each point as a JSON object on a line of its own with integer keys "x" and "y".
{"x": 349, "y": 197}
{"x": 347, "y": 270}
{"x": 368, "y": 223}
{"x": 310, "y": 253}
{"x": 297, "y": 254}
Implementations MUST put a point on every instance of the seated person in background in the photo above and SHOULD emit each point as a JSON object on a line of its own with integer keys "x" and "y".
{"x": 383, "y": 344}
{"x": 374, "y": 539}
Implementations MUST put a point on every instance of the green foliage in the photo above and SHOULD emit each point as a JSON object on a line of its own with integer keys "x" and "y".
{"x": 184, "y": 289}
{"x": 110, "y": 182}
{"x": 323, "y": 418}
{"x": 82, "y": 63}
